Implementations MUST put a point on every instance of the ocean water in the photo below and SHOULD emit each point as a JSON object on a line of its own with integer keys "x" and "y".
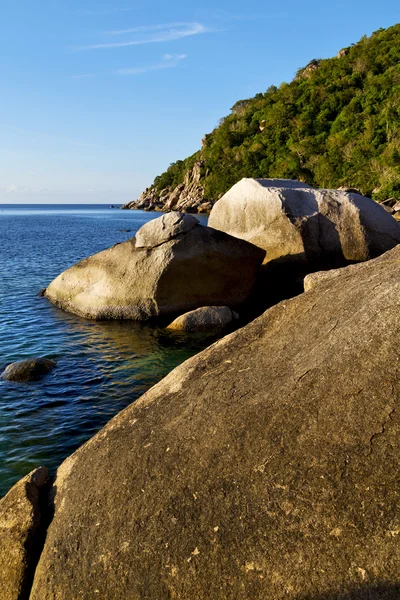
{"x": 102, "y": 366}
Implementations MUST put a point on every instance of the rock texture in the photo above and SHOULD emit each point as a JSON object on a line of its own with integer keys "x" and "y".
{"x": 313, "y": 279}
{"x": 204, "y": 319}
{"x": 305, "y": 226}
{"x": 350, "y": 190}
{"x": 19, "y": 523}
{"x": 185, "y": 197}
{"x": 165, "y": 228}
{"x": 308, "y": 70}
{"x": 264, "y": 468}
{"x": 31, "y": 369}
{"x": 169, "y": 273}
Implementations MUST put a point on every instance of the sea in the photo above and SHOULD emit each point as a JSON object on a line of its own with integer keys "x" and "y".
{"x": 102, "y": 367}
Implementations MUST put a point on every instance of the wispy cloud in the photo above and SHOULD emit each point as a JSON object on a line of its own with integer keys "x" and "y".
{"x": 169, "y": 62}
{"x": 154, "y": 34}
{"x": 174, "y": 57}
{"x": 148, "y": 28}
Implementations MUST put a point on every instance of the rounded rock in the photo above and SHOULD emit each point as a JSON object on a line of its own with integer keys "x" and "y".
{"x": 302, "y": 226}
{"x": 31, "y": 369}
{"x": 205, "y": 318}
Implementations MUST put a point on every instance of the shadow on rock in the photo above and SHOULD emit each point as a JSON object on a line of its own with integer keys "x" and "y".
{"x": 283, "y": 278}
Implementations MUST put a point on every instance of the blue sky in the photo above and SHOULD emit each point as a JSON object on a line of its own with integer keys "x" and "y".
{"x": 98, "y": 97}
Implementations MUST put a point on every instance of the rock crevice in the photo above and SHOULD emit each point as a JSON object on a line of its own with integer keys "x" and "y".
{"x": 25, "y": 515}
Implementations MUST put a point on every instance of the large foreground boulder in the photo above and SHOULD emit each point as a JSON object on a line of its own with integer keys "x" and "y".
{"x": 265, "y": 468}
{"x": 20, "y": 518}
{"x": 297, "y": 224}
{"x": 174, "y": 265}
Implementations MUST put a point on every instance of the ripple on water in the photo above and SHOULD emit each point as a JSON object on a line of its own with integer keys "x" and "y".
{"x": 102, "y": 367}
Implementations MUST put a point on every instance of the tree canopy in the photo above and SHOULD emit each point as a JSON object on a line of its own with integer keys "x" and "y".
{"x": 336, "y": 124}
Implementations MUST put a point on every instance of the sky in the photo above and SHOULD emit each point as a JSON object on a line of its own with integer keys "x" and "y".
{"x": 97, "y": 97}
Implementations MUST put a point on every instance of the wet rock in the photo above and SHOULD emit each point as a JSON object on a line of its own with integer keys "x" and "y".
{"x": 31, "y": 369}
{"x": 205, "y": 318}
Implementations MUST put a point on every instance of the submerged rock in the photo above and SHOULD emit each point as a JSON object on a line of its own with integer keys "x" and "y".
{"x": 264, "y": 468}
{"x": 31, "y": 369}
{"x": 174, "y": 265}
{"x": 205, "y": 318}
{"x": 20, "y": 518}
{"x": 297, "y": 224}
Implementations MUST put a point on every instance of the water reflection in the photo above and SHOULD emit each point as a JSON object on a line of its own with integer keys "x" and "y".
{"x": 102, "y": 367}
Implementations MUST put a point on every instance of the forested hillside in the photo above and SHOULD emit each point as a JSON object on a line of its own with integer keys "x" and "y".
{"x": 337, "y": 123}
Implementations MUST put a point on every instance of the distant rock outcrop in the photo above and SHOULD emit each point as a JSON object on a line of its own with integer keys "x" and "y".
{"x": 264, "y": 468}
{"x": 308, "y": 70}
{"x": 295, "y": 223}
{"x": 343, "y": 52}
{"x": 186, "y": 197}
{"x": 174, "y": 265}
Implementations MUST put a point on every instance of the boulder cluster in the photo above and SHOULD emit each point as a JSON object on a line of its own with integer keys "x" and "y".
{"x": 264, "y": 468}
{"x": 185, "y": 197}
{"x": 174, "y": 265}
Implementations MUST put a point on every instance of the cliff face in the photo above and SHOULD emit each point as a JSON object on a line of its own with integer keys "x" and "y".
{"x": 185, "y": 197}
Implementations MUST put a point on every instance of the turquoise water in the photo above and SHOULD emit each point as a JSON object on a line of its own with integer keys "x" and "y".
{"x": 102, "y": 366}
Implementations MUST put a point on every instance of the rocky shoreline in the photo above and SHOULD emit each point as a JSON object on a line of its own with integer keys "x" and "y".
{"x": 185, "y": 197}
{"x": 188, "y": 197}
{"x": 265, "y": 467}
